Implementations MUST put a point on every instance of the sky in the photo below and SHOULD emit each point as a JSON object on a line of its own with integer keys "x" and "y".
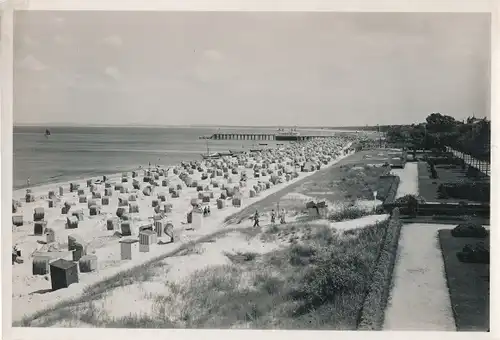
{"x": 237, "y": 68}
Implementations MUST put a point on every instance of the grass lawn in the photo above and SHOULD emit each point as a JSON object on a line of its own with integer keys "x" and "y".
{"x": 468, "y": 284}
{"x": 349, "y": 180}
{"x": 446, "y": 173}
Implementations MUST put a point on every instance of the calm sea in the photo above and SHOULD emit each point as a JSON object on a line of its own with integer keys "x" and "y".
{"x": 79, "y": 152}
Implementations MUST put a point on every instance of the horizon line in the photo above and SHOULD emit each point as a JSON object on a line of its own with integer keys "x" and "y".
{"x": 195, "y": 125}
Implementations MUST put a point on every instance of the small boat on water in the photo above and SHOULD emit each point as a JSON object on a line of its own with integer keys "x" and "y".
{"x": 215, "y": 155}
{"x": 222, "y": 154}
{"x": 263, "y": 144}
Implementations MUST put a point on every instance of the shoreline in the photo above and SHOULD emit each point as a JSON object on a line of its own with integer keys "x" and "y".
{"x": 22, "y": 295}
{"x": 84, "y": 177}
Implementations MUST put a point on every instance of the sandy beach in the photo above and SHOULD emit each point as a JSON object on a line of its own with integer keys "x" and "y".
{"x": 214, "y": 177}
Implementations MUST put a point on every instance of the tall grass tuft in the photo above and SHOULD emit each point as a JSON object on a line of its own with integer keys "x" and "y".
{"x": 349, "y": 213}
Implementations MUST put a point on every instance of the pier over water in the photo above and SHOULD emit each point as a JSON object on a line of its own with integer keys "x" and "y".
{"x": 263, "y": 136}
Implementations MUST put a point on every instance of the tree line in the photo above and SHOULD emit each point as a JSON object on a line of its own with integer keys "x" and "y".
{"x": 471, "y": 136}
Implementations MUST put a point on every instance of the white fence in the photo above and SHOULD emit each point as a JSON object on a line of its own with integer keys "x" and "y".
{"x": 482, "y": 166}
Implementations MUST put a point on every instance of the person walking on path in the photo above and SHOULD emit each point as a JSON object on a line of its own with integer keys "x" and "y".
{"x": 256, "y": 219}
{"x": 273, "y": 216}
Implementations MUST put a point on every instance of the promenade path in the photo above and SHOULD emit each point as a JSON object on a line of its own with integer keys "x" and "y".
{"x": 419, "y": 298}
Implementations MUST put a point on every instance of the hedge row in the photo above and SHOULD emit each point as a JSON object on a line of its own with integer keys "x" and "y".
{"x": 373, "y": 311}
{"x": 444, "y": 160}
{"x": 442, "y": 210}
{"x": 385, "y": 184}
{"x": 476, "y": 191}
{"x": 391, "y": 194}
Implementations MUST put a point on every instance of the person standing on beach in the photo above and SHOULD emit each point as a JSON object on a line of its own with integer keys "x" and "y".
{"x": 282, "y": 219}
{"x": 273, "y": 216}
{"x": 256, "y": 219}
{"x": 28, "y": 181}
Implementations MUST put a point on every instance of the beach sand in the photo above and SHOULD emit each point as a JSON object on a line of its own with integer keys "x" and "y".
{"x": 33, "y": 292}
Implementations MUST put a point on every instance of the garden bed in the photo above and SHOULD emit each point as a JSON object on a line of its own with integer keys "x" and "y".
{"x": 468, "y": 284}
{"x": 429, "y": 187}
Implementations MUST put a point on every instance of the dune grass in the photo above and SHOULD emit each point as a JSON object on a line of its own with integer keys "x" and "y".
{"x": 318, "y": 283}
{"x": 138, "y": 273}
{"x": 349, "y": 213}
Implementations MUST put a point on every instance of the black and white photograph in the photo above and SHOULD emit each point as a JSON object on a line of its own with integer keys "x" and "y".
{"x": 251, "y": 170}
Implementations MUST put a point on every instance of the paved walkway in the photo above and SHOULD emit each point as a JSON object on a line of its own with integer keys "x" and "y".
{"x": 408, "y": 177}
{"x": 419, "y": 300}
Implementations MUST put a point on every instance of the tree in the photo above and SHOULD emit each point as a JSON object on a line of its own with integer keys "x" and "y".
{"x": 472, "y": 136}
{"x": 437, "y": 122}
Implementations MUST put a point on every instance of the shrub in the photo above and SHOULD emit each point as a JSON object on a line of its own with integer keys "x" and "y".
{"x": 348, "y": 213}
{"x": 434, "y": 174}
{"x": 409, "y": 204}
{"x": 469, "y": 230}
{"x": 478, "y": 254}
{"x": 472, "y": 172}
{"x": 322, "y": 235}
{"x": 301, "y": 254}
{"x": 329, "y": 278}
{"x": 405, "y": 199}
{"x": 334, "y": 273}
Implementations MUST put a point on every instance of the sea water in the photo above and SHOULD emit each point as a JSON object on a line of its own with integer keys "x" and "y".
{"x": 80, "y": 152}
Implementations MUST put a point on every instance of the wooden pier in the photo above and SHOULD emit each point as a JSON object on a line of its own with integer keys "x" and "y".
{"x": 262, "y": 136}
